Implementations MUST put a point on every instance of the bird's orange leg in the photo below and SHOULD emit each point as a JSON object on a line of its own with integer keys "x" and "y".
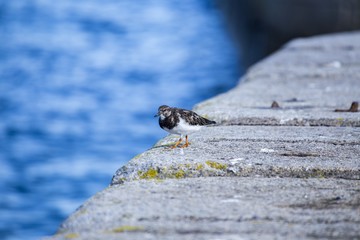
{"x": 186, "y": 142}
{"x": 177, "y": 143}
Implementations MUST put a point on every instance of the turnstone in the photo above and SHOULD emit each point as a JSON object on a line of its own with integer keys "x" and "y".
{"x": 181, "y": 122}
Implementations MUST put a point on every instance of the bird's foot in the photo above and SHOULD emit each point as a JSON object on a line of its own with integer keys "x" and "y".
{"x": 185, "y": 145}
{"x": 176, "y": 144}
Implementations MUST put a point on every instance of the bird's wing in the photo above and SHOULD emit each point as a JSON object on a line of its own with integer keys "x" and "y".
{"x": 194, "y": 119}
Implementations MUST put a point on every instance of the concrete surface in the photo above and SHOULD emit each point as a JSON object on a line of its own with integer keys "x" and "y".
{"x": 309, "y": 78}
{"x": 262, "y": 173}
{"x": 221, "y": 208}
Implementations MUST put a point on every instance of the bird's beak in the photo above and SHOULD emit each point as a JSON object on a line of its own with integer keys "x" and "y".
{"x": 156, "y": 115}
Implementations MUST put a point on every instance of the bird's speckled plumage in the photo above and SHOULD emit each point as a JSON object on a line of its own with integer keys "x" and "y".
{"x": 180, "y": 121}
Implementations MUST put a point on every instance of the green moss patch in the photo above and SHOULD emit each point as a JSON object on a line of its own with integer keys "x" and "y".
{"x": 216, "y": 165}
{"x": 199, "y": 166}
{"x": 127, "y": 228}
{"x": 71, "y": 236}
{"x": 180, "y": 174}
{"x": 149, "y": 174}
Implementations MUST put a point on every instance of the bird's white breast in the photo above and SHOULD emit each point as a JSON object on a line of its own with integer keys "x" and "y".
{"x": 183, "y": 128}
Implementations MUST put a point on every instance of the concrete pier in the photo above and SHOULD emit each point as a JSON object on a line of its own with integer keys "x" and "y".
{"x": 284, "y": 170}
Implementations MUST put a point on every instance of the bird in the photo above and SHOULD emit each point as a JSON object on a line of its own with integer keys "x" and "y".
{"x": 181, "y": 122}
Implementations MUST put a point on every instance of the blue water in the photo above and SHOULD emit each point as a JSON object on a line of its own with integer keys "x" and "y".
{"x": 80, "y": 82}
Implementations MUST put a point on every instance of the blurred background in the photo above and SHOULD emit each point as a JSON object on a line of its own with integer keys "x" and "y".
{"x": 80, "y": 82}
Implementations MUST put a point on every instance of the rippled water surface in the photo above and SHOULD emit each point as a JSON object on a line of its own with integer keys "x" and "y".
{"x": 80, "y": 82}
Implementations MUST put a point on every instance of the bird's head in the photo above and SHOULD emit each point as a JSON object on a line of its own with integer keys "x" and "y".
{"x": 163, "y": 111}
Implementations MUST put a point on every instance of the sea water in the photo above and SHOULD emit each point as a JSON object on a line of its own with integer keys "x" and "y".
{"x": 80, "y": 82}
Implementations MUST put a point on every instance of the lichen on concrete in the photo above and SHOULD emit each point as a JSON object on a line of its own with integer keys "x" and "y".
{"x": 199, "y": 167}
{"x": 149, "y": 174}
{"x": 71, "y": 236}
{"x": 127, "y": 228}
{"x": 216, "y": 165}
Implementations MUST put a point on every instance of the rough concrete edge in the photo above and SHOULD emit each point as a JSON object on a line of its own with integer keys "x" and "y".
{"x": 131, "y": 171}
{"x": 218, "y": 168}
{"x": 145, "y": 167}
